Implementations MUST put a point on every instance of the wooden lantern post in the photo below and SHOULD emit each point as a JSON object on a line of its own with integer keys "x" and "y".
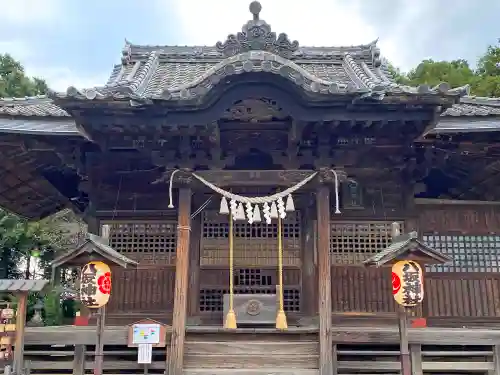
{"x": 406, "y": 254}
{"x": 95, "y": 279}
{"x": 408, "y": 292}
{"x": 95, "y": 290}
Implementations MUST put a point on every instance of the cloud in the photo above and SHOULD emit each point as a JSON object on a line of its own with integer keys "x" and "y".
{"x": 409, "y": 31}
{"x": 29, "y": 11}
{"x": 318, "y": 23}
{"x": 59, "y": 78}
{"x": 75, "y": 43}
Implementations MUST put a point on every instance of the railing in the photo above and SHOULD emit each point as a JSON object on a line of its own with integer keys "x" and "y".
{"x": 357, "y": 350}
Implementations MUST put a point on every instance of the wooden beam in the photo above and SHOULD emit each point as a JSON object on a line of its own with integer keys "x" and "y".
{"x": 194, "y": 269}
{"x": 454, "y": 202}
{"x": 175, "y": 362}
{"x": 220, "y": 178}
{"x": 22, "y": 302}
{"x": 324, "y": 281}
{"x": 309, "y": 269}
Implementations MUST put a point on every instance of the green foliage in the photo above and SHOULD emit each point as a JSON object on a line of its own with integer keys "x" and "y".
{"x": 15, "y": 83}
{"x": 52, "y": 309}
{"x": 18, "y": 237}
{"x": 484, "y": 80}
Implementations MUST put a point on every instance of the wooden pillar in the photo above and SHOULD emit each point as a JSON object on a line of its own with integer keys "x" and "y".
{"x": 194, "y": 271}
{"x": 79, "y": 360}
{"x": 22, "y": 301}
{"x": 309, "y": 298}
{"x": 175, "y": 363}
{"x": 416, "y": 359}
{"x": 324, "y": 281}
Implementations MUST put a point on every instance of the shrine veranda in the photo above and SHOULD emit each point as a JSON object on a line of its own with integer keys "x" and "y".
{"x": 255, "y": 115}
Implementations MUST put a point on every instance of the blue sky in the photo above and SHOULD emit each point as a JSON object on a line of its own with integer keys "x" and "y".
{"x": 74, "y": 42}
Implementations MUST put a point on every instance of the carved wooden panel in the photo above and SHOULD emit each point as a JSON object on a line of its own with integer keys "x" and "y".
{"x": 142, "y": 290}
{"x": 351, "y": 242}
{"x": 469, "y": 253}
{"x": 148, "y": 242}
{"x": 255, "y": 245}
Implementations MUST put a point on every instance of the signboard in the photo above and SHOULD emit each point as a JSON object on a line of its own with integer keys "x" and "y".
{"x": 145, "y": 333}
{"x": 145, "y": 354}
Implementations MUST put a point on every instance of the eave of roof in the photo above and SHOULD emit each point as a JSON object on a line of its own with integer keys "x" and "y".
{"x": 472, "y": 114}
{"x": 189, "y": 81}
{"x": 94, "y": 244}
{"x": 402, "y": 247}
{"x": 22, "y": 286}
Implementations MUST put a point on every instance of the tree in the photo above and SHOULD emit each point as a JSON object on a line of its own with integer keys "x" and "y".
{"x": 484, "y": 80}
{"x": 488, "y": 73}
{"x": 15, "y": 83}
{"x": 457, "y": 73}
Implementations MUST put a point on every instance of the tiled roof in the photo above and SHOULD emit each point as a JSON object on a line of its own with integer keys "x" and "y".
{"x": 402, "y": 246}
{"x": 160, "y": 76}
{"x": 178, "y": 73}
{"x": 475, "y": 106}
{"x": 26, "y": 125}
{"x": 94, "y": 244}
{"x": 34, "y": 106}
{"x": 18, "y": 286}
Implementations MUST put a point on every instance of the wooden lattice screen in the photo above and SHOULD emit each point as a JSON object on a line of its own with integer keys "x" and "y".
{"x": 149, "y": 242}
{"x": 469, "y": 253}
{"x": 255, "y": 245}
{"x": 255, "y": 260}
{"x": 354, "y": 241}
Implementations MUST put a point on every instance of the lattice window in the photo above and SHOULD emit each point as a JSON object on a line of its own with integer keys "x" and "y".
{"x": 353, "y": 242}
{"x": 211, "y": 299}
{"x": 255, "y": 244}
{"x": 252, "y": 277}
{"x": 250, "y": 281}
{"x": 149, "y": 242}
{"x": 469, "y": 253}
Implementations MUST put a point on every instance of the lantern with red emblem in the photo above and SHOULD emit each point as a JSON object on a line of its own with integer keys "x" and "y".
{"x": 95, "y": 284}
{"x": 407, "y": 283}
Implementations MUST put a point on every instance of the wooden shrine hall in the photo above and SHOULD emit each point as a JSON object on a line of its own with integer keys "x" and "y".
{"x": 260, "y": 177}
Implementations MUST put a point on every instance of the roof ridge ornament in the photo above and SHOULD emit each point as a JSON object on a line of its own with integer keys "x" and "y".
{"x": 256, "y": 35}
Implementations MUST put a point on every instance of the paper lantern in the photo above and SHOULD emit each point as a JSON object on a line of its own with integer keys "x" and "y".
{"x": 407, "y": 283}
{"x": 95, "y": 284}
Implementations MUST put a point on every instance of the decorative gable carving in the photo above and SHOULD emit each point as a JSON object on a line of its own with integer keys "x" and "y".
{"x": 256, "y": 35}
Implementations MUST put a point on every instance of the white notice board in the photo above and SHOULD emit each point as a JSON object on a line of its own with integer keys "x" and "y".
{"x": 146, "y": 334}
{"x": 145, "y": 354}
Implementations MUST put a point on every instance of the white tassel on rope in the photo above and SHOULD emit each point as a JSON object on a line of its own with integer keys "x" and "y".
{"x": 290, "y": 206}
{"x": 224, "y": 208}
{"x": 281, "y": 208}
{"x": 335, "y": 175}
{"x": 273, "y": 214}
{"x": 249, "y": 210}
{"x": 267, "y": 212}
{"x": 240, "y": 212}
{"x": 256, "y": 214}
{"x": 170, "y": 189}
{"x": 234, "y": 209}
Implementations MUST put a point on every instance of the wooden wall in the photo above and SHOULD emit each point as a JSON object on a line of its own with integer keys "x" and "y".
{"x": 464, "y": 292}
